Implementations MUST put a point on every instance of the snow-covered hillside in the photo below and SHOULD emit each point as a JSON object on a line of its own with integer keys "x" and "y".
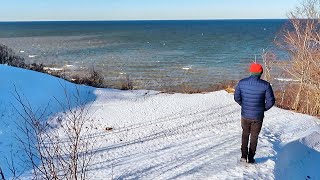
{"x": 168, "y": 136}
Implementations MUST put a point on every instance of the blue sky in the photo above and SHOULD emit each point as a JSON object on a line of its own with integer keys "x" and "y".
{"x": 33, "y": 10}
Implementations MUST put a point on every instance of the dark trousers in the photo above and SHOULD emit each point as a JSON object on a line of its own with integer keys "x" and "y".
{"x": 250, "y": 128}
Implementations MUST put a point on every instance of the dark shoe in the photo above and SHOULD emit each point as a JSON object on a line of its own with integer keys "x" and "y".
{"x": 243, "y": 159}
{"x": 251, "y": 161}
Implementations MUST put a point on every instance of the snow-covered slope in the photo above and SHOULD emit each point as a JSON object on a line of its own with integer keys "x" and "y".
{"x": 39, "y": 90}
{"x": 172, "y": 136}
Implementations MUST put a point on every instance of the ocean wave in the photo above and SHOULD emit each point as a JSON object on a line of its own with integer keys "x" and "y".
{"x": 186, "y": 68}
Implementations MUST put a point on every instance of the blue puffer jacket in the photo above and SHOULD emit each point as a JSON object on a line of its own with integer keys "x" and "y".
{"x": 255, "y": 96}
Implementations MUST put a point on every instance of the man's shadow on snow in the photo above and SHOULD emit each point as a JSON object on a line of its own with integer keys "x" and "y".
{"x": 294, "y": 160}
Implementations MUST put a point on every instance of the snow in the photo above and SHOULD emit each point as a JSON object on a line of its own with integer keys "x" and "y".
{"x": 286, "y": 79}
{"x": 168, "y": 136}
{"x": 53, "y": 69}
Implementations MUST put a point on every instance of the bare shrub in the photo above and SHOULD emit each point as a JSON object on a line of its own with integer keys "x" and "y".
{"x": 94, "y": 78}
{"x": 12, "y": 166}
{"x": 36, "y": 67}
{"x": 97, "y": 80}
{"x": 8, "y": 57}
{"x": 301, "y": 40}
{"x": 186, "y": 88}
{"x": 224, "y": 85}
{"x": 285, "y": 96}
{"x": 127, "y": 84}
{"x": 268, "y": 59}
{"x": 1, "y": 174}
{"x": 57, "y": 155}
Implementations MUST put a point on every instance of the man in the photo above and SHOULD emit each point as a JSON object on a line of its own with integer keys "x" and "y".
{"x": 255, "y": 96}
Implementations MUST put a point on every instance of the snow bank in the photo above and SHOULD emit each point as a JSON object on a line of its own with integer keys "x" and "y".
{"x": 300, "y": 158}
{"x": 40, "y": 91}
{"x": 169, "y": 136}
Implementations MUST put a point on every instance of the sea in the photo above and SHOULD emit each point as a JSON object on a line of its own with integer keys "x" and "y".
{"x": 152, "y": 54}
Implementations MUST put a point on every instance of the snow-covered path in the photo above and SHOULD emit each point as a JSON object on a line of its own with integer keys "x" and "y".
{"x": 179, "y": 136}
{"x": 171, "y": 136}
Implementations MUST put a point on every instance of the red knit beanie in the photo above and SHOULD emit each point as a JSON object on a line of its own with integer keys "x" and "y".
{"x": 256, "y": 68}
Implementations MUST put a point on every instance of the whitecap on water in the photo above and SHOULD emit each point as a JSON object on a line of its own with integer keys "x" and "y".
{"x": 32, "y": 56}
{"x": 69, "y": 65}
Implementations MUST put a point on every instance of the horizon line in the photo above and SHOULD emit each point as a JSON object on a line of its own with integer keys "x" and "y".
{"x": 119, "y": 20}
